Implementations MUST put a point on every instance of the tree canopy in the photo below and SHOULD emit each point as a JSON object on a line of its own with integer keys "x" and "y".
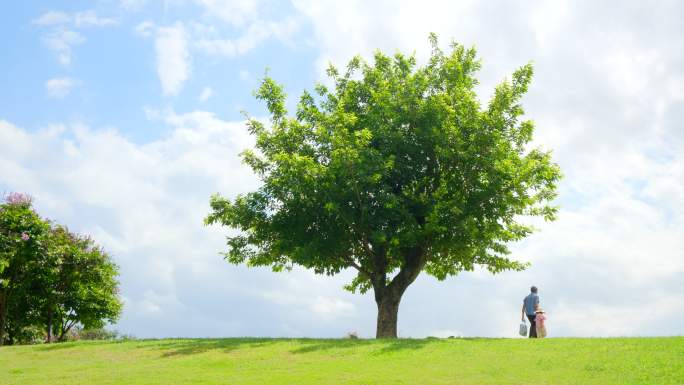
{"x": 50, "y": 278}
{"x": 393, "y": 170}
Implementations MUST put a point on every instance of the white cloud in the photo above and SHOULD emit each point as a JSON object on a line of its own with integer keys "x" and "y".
{"x": 62, "y": 36}
{"x": 145, "y": 204}
{"x": 332, "y": 308}
{"x": 207, "y": 93}
{"x": 153, "y": 304}
{"x": 81, "y": 19}
{"x": 225, "y": 47}
{"x": 60, "y": 88}
{"x": 324, "y": 308}
{"x": 607, "y": 98}
{"x": 617, "y": 320}
{"x": 133, "y": 5}
{"x": 344, "y": 29}
{"x": 444, "y": 333}
{"x": 144, "y": 199}
{"x": 236, "y": 12}
{"x": 249, "y": 19}
{"x": 173, "y": 58}
{"x": 604, "y": 101}
{"x": 257, "y": 32}
{"x": 52, "y": 18}
{"x": 173, "y": 45}
{"x": 145, "y": 28}
{"x": 91, "y": 19}
{"x": 61, "y": 42}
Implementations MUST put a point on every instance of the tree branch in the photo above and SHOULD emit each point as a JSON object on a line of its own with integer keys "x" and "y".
{"x": 358, "y": 267}
{"x": 66, "y": 330}
{"x": 414, "y": 262}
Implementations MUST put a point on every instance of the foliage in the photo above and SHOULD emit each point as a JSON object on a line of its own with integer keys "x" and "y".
{"x": 50, "y": 279}
{"x": 558, "y": 361}
{"x": 352, "y": 335}
{"x": 28, "y": 334}
{"x": 96, "y": 334}
{"x": 23, "y": 238}
{"x": 80, "y": 284}
{"x": 395, "y": 170}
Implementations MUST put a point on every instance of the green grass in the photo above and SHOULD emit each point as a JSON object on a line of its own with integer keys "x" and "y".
{"x": 307, "y": 361}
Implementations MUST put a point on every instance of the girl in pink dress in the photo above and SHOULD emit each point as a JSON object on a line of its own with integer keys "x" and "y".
{"x": 540, "y": 321}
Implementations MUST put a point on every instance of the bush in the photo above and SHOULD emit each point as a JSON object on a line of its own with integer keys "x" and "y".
{"x": 352, "y": 335}
{"x": 127, "y": 337}
{"x": 29, "y": 335}
{"x": 93, "y": 334}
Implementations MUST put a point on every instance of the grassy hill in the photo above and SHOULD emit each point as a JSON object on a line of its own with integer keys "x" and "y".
{"x": 310, "y": 361}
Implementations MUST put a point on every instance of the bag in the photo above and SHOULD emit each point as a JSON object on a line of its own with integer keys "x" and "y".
{"x": 523, "y": 329}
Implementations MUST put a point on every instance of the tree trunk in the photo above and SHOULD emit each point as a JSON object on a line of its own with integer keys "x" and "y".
{"x": 49, "y": 327}
{"x": 3, "y": 318}
{"x": 388, "y": 310}
{"x": 388, "y": 296}
{"x": 65, "y": 329}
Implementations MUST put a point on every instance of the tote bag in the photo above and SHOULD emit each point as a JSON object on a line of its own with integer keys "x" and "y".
{"x": 523, "y": 329}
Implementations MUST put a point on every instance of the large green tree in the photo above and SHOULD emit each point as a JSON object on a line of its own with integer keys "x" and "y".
{"x": 394, "y": 170}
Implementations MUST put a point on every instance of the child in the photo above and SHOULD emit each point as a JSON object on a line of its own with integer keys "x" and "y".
{"x": 540, "y": 321}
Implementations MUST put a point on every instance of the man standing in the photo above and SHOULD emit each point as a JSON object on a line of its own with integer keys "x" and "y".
{"x": 528, "y": 309}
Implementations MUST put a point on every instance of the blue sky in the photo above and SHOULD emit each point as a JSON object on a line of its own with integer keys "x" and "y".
{"x": 121, "y": 117}
{"x": 111, "y": 66}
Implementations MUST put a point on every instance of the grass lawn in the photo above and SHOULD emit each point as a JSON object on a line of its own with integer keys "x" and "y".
{"x": 310, "y": 361}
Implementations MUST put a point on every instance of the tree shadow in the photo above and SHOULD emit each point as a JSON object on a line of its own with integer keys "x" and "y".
{"x": 58, "y": 346}
{"x": 314, "y": 345}
{"x": 190, "y": 346}
{"x": 477, "y": 339}
{"x": 407, "y": 344}
{"x": 184, "y": 347}
{"x": 385, "y": 346}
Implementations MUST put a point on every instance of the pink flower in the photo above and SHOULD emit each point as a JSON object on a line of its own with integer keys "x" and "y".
{"x": 24, "y": 236}
{"x": 16, "y": 198}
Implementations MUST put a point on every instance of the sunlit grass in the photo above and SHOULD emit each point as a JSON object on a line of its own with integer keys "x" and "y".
{"x": 313, "y": 361}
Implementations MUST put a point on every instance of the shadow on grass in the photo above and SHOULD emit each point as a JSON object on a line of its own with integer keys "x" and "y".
{"x": 58, "y": 346}
{"x": 327, "y": 344}
{"x": 384, "y": 346}
{"x": 183, "y": 347}
{"x": 80, "y": 344}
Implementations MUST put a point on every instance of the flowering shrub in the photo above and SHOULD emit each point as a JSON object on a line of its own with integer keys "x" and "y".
{"x": 15, "y": 198}
{"x": 79, "y": 333}
{"x": 51, "y": 280}
{"x": 93, "y": 334}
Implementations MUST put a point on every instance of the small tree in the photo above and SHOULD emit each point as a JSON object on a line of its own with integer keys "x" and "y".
{"x": 22, "y": 243}
{"x": 50, "y": 278}
{"x": 78, "y": 285}
{"x": 395, "y": 170}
